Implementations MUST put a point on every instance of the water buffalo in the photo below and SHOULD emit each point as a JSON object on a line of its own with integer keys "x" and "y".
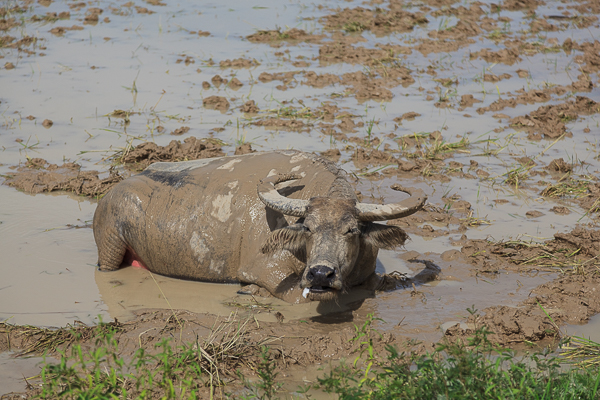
{"x": 286, "y": 221}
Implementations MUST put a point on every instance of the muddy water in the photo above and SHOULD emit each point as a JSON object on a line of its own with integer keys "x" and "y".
{"x": 47, "y": 257}
{"x": 153, "y": 66}
{"x": 14, "y": 371}
{"x": 591, "y": 330}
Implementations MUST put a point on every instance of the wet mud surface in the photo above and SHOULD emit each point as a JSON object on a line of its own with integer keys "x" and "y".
{"x": 491, "y": 109}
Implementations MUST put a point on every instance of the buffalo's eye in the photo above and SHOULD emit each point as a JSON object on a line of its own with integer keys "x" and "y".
{"x": 306, "y": 229}
{"x": 353, "y": 231}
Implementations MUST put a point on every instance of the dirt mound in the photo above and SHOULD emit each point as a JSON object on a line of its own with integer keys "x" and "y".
{"x": 363, "y": 158}
{"x": 38, "y": 176}
{"x": 509, "y": 325}
{"x": 216, "y": 103}
{"x": 550, "y": 120}
{"x": 575, "y": 249}
{"x": 245, "y": 148}
{"x": 379, "y": 21}
{"x": 559, "y": 165}
{"x": 283, "y": 124}
{"x": 586, "y": 241}
{"x": 250, "y": 107}
{"x": 239, "y": 63}
{"x": 276, "y": 35}
{"x": 296, "y": 342}
{"x": 320, "y": 80}
{"x": 572, "y": 298}
{"x": 139, "y": 157}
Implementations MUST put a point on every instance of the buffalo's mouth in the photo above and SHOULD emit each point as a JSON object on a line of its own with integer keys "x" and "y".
{"x": 318, "y": 290}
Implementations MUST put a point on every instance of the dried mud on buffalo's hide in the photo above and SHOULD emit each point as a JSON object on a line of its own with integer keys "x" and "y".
{"x": 38, "y": 176}
{"x": 148, "y": 153}
{"x": 549, "y": 120}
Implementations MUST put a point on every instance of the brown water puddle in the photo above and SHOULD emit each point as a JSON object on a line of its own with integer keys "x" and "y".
{"x": 46, "y": 254}
{"x": 15, "y": 371}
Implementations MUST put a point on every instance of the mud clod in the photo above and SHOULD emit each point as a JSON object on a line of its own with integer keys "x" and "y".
{"x": 192, "y": 148}
{"x": 216, "y": 103}
{"x": 38, "y": 176}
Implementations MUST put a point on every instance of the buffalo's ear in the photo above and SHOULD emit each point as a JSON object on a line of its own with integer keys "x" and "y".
{"x": 291, "y": 238}
{"x": 384, "y": 236}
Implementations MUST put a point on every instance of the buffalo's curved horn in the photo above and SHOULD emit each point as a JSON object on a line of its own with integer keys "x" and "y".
{"x": 272, "y": 199}
{"x": 376, "y": 212}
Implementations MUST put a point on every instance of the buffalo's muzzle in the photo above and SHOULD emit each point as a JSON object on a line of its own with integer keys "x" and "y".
{"x": 320, "y": 276}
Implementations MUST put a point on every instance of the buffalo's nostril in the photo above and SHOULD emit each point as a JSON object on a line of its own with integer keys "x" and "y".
{"x": 320, "y": 275}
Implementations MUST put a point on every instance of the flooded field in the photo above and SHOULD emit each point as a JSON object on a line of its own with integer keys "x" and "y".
{"x": 491, "y": 108}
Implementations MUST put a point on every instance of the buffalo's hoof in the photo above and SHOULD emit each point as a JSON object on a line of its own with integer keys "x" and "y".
{"x": 249, "y": 289}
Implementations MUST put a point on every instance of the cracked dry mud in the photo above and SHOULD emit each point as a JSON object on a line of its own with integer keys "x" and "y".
{"x": 492, "y": 109}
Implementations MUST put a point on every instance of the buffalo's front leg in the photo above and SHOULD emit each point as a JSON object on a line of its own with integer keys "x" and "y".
{"x": 266, "y": 272}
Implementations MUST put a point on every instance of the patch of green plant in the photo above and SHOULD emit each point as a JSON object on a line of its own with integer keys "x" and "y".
{"x": 515, "y": 176}
{"x": 369, "y": 137}
{"x": 475, "y": 221}
{"x": 567, "y": 189}
{"x": 266, "y": 387}
{"x": 475, "y": 369}
{"x": 433, "y": 151}
{"x": 496, "y": 34}
{"x": 273, "y": 34}
{"x": 166, "y": 371}
{"x": 354, "y": 26}
{"x": 546, "y": 258}
{"x": 582, "y": 352}
{"x": 40, "y": 340}
{"x": 101, "y": 373}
